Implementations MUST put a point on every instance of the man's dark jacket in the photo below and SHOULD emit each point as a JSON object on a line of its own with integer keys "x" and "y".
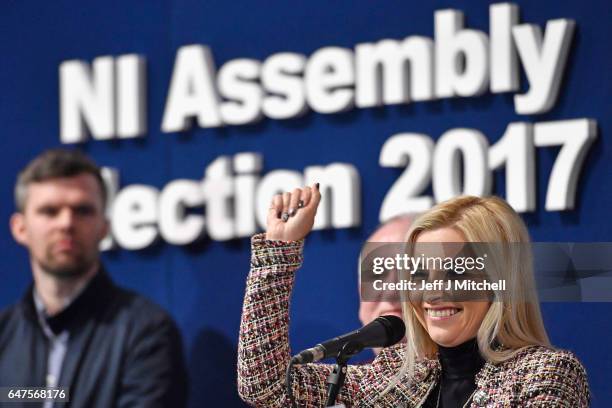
{"x": 123, "y": 350}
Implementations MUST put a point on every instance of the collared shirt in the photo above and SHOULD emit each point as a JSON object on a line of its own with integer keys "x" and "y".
{"x": 58, "y": 343}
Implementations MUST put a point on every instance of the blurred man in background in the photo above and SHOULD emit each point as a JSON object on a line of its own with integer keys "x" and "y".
{"x": 74, "y": 328}
{"x": 392, "y": 231}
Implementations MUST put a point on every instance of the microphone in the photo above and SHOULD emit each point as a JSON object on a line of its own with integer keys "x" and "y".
{"x": 381, "y": 332}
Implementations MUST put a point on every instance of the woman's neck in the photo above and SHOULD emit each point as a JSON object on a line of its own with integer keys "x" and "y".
{"x": 462, "y": 361}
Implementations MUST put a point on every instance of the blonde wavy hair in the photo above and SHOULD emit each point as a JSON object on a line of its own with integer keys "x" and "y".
{"x": 514, "y": 320}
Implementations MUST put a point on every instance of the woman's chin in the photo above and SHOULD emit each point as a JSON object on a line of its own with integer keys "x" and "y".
{"x": 444, "y": 338}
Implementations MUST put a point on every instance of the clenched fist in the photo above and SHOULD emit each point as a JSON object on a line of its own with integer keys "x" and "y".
{"x": 291, "y": 215}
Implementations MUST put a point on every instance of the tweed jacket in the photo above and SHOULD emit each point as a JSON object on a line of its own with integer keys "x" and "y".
{"x": 536, "y": 377}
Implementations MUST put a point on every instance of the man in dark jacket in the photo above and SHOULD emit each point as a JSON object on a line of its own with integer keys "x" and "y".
{"x": 73, "y": 328}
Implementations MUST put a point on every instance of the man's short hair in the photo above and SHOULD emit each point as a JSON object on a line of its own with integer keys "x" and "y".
{"x": 52, "y": 164}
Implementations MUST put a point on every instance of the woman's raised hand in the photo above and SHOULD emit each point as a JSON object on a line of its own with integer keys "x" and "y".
{"x": 291, "y": 215}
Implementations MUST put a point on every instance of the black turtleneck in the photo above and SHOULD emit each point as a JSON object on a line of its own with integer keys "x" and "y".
{"x": 460, "y": 365}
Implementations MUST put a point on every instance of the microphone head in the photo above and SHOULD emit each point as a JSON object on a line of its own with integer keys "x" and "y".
{"x": 395, "y": 328}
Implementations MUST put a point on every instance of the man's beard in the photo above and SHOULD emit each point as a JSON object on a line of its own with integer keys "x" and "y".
{"x": 71, "y": 268}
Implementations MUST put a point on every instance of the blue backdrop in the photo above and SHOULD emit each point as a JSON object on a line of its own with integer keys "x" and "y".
{"x": 202, "y": 284}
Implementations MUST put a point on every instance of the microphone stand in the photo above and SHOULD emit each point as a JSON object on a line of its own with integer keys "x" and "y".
{"x": 335, "y": 380}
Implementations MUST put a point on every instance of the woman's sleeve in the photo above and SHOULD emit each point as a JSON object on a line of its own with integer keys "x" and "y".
{"x": 556, "y": 380}
{"x": 263, "y": 346}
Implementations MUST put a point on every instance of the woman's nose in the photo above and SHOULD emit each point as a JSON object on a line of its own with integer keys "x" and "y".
{"x": 433, "y": 296}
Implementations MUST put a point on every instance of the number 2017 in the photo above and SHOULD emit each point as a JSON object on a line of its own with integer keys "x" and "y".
{"x": 467, "y": 151}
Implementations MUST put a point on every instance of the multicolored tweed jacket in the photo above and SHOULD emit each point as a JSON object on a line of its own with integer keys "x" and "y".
{"x": 536, "y": 377}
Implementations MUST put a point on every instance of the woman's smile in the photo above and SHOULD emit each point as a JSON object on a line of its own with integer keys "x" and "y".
{"x": 444, "y": 313}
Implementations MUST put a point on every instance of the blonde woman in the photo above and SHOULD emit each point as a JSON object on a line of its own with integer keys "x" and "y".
{"x": 457, "y": 354}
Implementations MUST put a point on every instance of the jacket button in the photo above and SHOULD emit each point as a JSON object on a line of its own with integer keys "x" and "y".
{"x": 481, "y": 398}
